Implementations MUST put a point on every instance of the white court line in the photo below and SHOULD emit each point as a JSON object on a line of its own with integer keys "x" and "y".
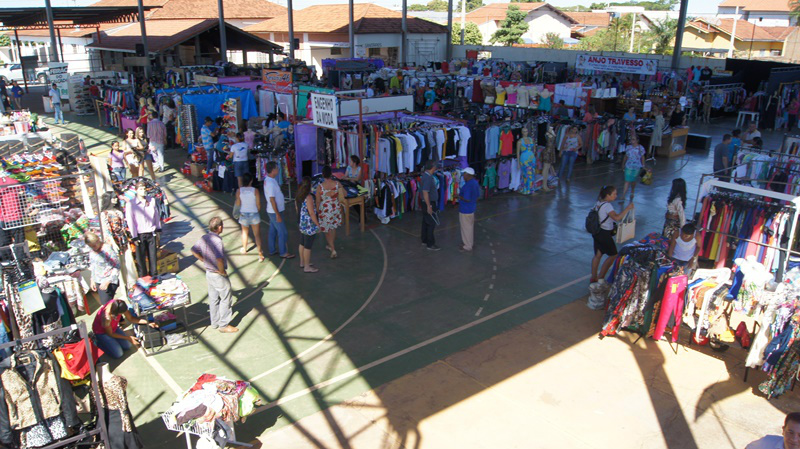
{"x": 388, "y": 358}
{"x": 343, "y": 325}
{"x": 491, "y": 286}
{"x": 486, "y": 298}
{"x": 494, "y": 276}
{"x": 478, "y": 313}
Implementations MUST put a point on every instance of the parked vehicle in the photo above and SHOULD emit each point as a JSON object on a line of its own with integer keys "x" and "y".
{"x": 13, "y": 72}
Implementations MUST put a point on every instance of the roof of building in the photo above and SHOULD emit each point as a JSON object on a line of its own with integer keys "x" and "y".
{"x": 599, "y": 19}
{"x": 497, "y": 11}
{"x": 745, "y": 31}
{"x": 367, "y": 18}
{"x": 204, "y": 9}
{"x": 164, "y": 34}
{"x": 36, "y": 16}
{"x": 67, "y": 32}
{"x": 758, "y": 5}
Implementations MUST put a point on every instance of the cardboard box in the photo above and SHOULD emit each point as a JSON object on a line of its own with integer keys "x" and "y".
{"x": 167, "y": 262}
{"x": 197, "y": 170}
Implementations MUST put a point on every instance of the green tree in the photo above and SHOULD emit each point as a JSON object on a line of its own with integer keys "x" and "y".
{"x": 441, "y": 5}
{"x": 512, "y": 28}
{"x": 5, "y": 40}
{"x": 472, "y": 36}
{"x": 657, "y": 5}
{"x": 660, "y": 37}
{"x": 576, "y": 8}
{"x": 553, "y": 40}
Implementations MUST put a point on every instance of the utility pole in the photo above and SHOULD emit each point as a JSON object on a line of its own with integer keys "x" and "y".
{"x": 733, "y": 34}
{"x": 633, "y": 31}
{"x": 463, "y": 20}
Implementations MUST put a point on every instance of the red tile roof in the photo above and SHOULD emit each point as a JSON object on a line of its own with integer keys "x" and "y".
{"x": 161, "y": 34}
{"x": 599, "y": 19}
{"x": 497, "y": 11}
{"x": 204, "y": 9}
{"x": 758, "y": 5}
{"x": 368, "y": 18}
{"x": 745, "y": 31}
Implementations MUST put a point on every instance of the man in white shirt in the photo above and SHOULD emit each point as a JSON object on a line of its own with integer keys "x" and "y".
{"x": 55, "y": 102}
{"x": 241, "y": 164}
{"x": 751, "y": 133}
{"x": 275, "y": 208}
{"x": 789, "y": 440}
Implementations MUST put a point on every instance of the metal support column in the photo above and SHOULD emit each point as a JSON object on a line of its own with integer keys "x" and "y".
{"x": 223, "y": 40}
{"x": 291, "y": 28}
{"x": 449, "y": 30}
{"x": 60, "y": 46}
{"x": 463, "y": 20}
{"x": 404, "y": 37}
{"x": 144, "y": 39}
{"x": 676, "y": 52}
{"x": 352, "y": 34}
{"x": 197, "y": 53}
{"x": 100, "y": 41}
{"x": 21, "y": 63}
{"x": 53, "y": 47}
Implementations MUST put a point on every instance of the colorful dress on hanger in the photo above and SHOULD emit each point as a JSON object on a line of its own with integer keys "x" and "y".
{"x": 330, "y": 211}
{"x": 527, "y": 165}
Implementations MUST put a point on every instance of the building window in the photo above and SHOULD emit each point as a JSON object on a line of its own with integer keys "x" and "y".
{"x": 374, "y": 51}
{"x": 336, "y": 51}
{"x": 776, "y": 52}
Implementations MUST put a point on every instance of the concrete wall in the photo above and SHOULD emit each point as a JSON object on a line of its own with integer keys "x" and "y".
{"x": 770, "y": 18}
{"x": 791, "y": 48}
{"x": 569, "y": 56}
{"x": 542, "y": 21}
{"x": 692, "y": 38}
{"x": 487, "y": 30}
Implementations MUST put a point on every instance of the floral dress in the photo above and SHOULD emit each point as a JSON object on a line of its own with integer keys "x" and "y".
{"x": 114, "y": 222}
{"x": 330, "y": 211}
{"x": 527, "y": 165}
{"x": 307, "y": 225}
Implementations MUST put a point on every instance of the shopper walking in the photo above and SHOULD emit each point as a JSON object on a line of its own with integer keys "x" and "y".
{"x": 721, "y": 162}
{"x": 144, "y": 222}
{"x": 430, "y": 213}
{"x": 548, "y": 157}
{"x": 604, "y": 240}
{"x": 117, "y": 157}
{"x": 277, "y": 240}
{"x": 55, "y": 103}
{"x": 569, "y": 152}
{"x": 249, "y": 202}
{"x": 16, "y": 95}
{"x": 675, "y": 217}
{"x": 207, "y": 138}
{"x": 104, "y": 265}
{"x": 467, "y": 203}
{"x": 168, "y": 115}
{"x": 308, "y": 223}
{"x": 141, "y": 135}
{"x": 211, "y": 253}
{"x": 157, "y": 137}
{"x": 633, "y": 163}
{"x": 241, "y": 163}
{"x": 328, "y": 197}
{"x": 658, "y": 132}
{"x": 112, "y": 223}
{"x": 110, "y": 338}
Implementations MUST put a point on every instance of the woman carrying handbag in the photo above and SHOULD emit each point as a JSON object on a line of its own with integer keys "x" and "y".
{"x": 604, "y": 240}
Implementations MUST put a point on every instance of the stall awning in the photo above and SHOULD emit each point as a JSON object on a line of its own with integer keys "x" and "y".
{"x": 165, "y": 34}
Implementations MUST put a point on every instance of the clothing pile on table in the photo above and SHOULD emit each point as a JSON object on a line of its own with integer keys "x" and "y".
{"x": 159, "y": 292}
{"x": 213, "y": 398}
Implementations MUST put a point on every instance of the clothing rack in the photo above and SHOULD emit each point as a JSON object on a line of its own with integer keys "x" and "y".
{"x": 102, "y": 431}
{"x": 793, "y": 200}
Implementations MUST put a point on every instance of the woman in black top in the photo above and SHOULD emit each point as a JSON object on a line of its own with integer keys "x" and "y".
{"x": 678, "y": 116}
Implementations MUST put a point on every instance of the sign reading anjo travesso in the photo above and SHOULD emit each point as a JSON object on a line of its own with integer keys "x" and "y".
{"x": 323, "y": 108}
{"x": 639, "y": 66}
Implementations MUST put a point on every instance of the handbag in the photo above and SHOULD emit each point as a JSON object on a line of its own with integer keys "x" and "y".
{"x": 237, "y": 211}
{"x": 627, "y": 228}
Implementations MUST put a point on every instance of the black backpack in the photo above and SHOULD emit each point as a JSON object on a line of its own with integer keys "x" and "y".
{"x": 593, "y": 220}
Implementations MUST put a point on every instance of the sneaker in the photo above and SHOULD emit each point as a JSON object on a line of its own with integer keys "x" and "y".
{"x": 228, "y": 329}
{"x": 434, "y": 248}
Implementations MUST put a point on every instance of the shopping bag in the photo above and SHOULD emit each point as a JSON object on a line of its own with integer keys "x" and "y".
{"x": 627, "y": 228}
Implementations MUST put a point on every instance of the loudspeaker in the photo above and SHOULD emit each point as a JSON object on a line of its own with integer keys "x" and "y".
{"x": 139, "y": 49}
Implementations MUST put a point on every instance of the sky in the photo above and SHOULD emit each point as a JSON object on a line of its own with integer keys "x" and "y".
{"x": 696, "y": 7}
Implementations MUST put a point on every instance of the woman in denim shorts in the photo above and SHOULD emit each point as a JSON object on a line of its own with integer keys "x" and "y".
{"x": 249, "y": 201}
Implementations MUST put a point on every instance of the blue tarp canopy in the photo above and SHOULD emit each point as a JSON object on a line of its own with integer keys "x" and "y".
{"x": 208, "y": 100}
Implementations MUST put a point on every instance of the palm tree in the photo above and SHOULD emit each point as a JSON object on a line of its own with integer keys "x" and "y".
{"x": 661, "y": 35}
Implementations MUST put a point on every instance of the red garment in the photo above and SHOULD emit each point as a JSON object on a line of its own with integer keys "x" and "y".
{"x": 142, "y": 121}
{"x": 97, "y": 325}
{"x": 506, "y": 143}
{"x": 445, "y": 67}
{"x": 477, "y": 92}
{"x": 671, "y": 306}
{"x": 75, "y": 357}
{"x": 204, "y": 379}
{"x": 723, "y": 242}
{"x": 10, "y": 198}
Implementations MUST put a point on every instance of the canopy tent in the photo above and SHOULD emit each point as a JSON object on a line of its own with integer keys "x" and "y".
{"x": 208, "y": 100}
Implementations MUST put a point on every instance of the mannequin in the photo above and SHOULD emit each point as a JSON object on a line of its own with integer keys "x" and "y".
{"x": 489, "y": 93}
{"x": 533, "y": 93}
{"x": 500, "y": 100}
{"x": 122, "y": 433}
{"x": 523, "y": 97}
{"x": 144, "y": 224}
{"x": 548, "y": 157}
{"x": 511, "y": 98}
{"x": 526, "y": 155}
{"x": 544, "y": 102}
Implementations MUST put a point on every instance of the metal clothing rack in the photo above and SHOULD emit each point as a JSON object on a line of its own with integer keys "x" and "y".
{"x": 102, "y": 429}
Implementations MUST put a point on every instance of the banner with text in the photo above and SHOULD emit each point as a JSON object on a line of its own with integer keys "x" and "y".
{"x": 323, "y": 109}
{"x": 58, "y": 73}
{"x": 638, "y": 66}
{"x": 278, "y": 81}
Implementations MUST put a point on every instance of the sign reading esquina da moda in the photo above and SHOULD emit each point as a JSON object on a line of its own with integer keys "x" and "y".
{"x": 323, "y": 108}
{"x": 638, "y": 66}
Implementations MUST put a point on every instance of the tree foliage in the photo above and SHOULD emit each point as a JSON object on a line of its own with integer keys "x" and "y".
{"x": 441, "y": 5}
{"x": 655, "y": 5}
{"x": 660, "y": 37}
{"x": 553, "y": 40}
{"x": 472, "y": 36}
{"x": 512, "y": 28}
{"x": 5, "y": 40}
{"x": 617, "y": 37}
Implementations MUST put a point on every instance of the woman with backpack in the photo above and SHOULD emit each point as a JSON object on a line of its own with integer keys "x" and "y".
{"x": 603, "y": 238}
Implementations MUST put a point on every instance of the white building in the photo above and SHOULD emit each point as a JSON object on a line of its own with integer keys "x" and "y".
{"x": 542, "y": 18}
{"x": 766, "y": 13}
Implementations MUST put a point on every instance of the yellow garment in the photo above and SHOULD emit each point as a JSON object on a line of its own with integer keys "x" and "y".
{"x": 501, "y": 98}
{"x": 65, "y": 373}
